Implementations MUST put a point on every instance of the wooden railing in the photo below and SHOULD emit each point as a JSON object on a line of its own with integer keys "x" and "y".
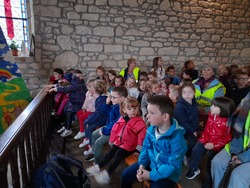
{"x": 24, "y": 145}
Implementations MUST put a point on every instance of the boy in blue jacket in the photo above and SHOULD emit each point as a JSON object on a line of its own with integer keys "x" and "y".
{"x": 163, "y": 149}
{"x": 100, "y": 137}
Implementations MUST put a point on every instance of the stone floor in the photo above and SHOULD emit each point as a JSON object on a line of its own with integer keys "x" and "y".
{"x": 73, "y": 150}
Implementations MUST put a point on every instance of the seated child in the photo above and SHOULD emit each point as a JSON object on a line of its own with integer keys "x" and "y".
{"x": 119, "y": 81}
{"x": 163, "y": 149}
{"x": 214, "y": 137}
{"x": 237, "y": 152}
{"x": 126, "y": 136}
{"x": 100, "y": 137}
{"x": 174, "y": 93}
{"x": 132, "y": 87}
{"x": 186, "y": 113}
{"x": 170, "y": 73}
{"x": 152, "y": 76}
{"x": 77, "y": 91}
{"x": 88, "y": 108}
{"x": 100, "y": 116}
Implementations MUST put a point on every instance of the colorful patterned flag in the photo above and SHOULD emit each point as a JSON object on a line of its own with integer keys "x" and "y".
{"x": 9, "y": 20}
{"x": 14, "y": 95}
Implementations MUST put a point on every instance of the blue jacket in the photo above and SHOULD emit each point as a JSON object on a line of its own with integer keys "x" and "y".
{"x": 113, "y": 117}
{"x": 101, "y": 113}
{"x": 187, "y": 114}
{"x": 165, "y": 155}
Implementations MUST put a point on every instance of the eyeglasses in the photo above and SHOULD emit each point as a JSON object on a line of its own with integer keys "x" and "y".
{"x": 113, "y": 97}
{"x": 243, "y": 79}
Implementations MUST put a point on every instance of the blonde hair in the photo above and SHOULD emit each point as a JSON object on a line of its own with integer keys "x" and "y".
{"x": 130, "y": 102}
{"x": 100, "y": 87}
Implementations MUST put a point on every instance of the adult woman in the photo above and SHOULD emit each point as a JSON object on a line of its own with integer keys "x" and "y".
{"x": 131, "y": 71}
{"x": 207, "y": 87}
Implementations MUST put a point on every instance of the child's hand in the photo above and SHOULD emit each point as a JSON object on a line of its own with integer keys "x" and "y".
{"x": 236, "y": 160}
{"x": 142, "y": 174}
{"x": 139, "y": 173}
{"x": 52, "y": 90}
{"x": 108, "y": 100}
{"x": 195, "y": 134}
{"x": 209, "y": 146}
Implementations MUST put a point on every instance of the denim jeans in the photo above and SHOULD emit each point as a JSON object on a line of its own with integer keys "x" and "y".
{"x": 89, "y": 129}
{"x": 239, "y": 177}
{"x": 128, "y": 176}
{"x": 98, "y": 142}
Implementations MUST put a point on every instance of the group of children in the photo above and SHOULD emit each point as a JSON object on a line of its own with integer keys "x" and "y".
{"x": 158, "y": 118}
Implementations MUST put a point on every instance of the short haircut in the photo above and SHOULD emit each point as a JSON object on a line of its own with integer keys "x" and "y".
{"x": 128, "y": 103}
{"x": 101, "y": 68}
{"x": 164, "y": 103}
{"x": 225, "y": 104}
{"x": 121, "y": 90}
{"x": 113, "y": 72}
{"x": 90, "y": 80}
{"x": 77, "y": 71}
{"x": 187, "y": 84}
{"x": 170, "y": 67}
{"x": 144, "y": 73}
{"x": 59, "y": 71}
{"x": 130, "y": 61}
{"x": 240, "y": 72}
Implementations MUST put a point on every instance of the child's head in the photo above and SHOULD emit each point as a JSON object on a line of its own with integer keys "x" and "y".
{"x": 90, "y": 85}
{"x": 152, "y": 75}
{"x": 153, "y": 87}
{"x": 143, "y": 75}
{"x": 157, "y": 62}
{"x": 58, "y": 73}
{"x": 130, "y": 107}
{"x": 188, "y": 74}
{"x": 111, "y": 75}
{"x": 142, "y": 85}
{"x": 222, "y": 106}
{"x": 118, "y": 94}
{"x": 131, "y": 82}
{"x": 188, "y": 91}
{"x": 242, "y": 78}
{"x": 78, "y": 73}
{"x": 171, "y": 70}
{"x": 189, "y": 64}
{"x": 223, "y": 70}
{"x": 119, "y": 81}
{"x": 100, "y": 71}
{"x": 174, "y": 92}
{"x": 100, "y": 87}
{"x": 160, "y": 110}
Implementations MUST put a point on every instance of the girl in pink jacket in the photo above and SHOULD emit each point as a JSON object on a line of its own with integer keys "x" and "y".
{"x": 126, "y": 136}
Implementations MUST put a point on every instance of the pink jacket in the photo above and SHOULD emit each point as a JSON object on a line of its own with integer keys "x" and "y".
{"x": 128, "y": 135}
{"x": 216, "y": 132}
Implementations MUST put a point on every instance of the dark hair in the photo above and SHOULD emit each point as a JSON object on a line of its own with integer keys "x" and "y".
{"x": 121, "y": 90}
{"x": 113, "y": 72}
{"x": 153, "y": 73}
{"x": 187, "y": 84}
{"x": 143, "y": 73}
{"x": 122, "y": 79}
{"x": 59, "y": 71}
{"x": 77, "y": 71}
{"x": 130, "y": 102}
{"x": 155, "y": 63}
{"x": 190, "y": 73}
{"x": 164, "y": 103}
{"x": 187, "y": 63}
{"x": 130, "y": 61}
{"x": 225, "y": 104}
{"x": 170, "y": 67}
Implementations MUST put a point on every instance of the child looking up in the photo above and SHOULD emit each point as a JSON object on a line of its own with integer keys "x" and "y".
{"x": 100, "y": 137}
{"x": 99, "y": 117}
{"x": 186, "y": 113}
{"x": 126, "y": 136}
{"x": 132, "y": 87}
{"x": 88, "y": 108}
{"x": 163, "y": 149}
{"x": 214, "y": 137}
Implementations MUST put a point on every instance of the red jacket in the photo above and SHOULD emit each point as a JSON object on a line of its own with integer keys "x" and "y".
{"x": 128, "y": 135}
{"x": 216, "y": 132}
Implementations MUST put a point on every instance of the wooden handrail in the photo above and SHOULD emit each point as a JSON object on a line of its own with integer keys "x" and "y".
{"x": 23, "y": 145}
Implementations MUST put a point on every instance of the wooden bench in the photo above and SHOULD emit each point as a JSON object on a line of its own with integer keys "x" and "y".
{"x": 131, "y": 160}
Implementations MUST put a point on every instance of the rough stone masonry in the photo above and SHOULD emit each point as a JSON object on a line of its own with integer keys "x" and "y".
{"x": 87, "y": 33}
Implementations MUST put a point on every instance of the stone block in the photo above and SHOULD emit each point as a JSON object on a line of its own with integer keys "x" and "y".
{"x": 93, "y": 47}
{"x": 223, "y": 53}
{"x": 168, "y": 51}
{"x": 131, "y": 3}
{"x": 161, "y": 34}
{"x": 191, "y": 51}
{"x": 49, "y": 2}
{"x": 146, "y": 51}
{"x": 103, "y": 31}
{"x": 47, "y": 11}
{"x": 115, "y": 2}
{"x": 113, "y": 48}
{"x": 140, "y": 43}
{"x": 86, "y": 16}
{"x": 204, "y": 23}
{"x": 49, "y": 47}
{"x": 66, "y": 59}
{"x": 66, "y": 29}
{"x": 83, "y": 30}
{"x": 245, "y": 53}
{"x": 80, "y": 8}
{"x": 73, "y": 16}
{"x": 64, "y": 42}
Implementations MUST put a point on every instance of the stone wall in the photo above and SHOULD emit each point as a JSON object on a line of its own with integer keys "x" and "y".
{"x": 87, "y": 33}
